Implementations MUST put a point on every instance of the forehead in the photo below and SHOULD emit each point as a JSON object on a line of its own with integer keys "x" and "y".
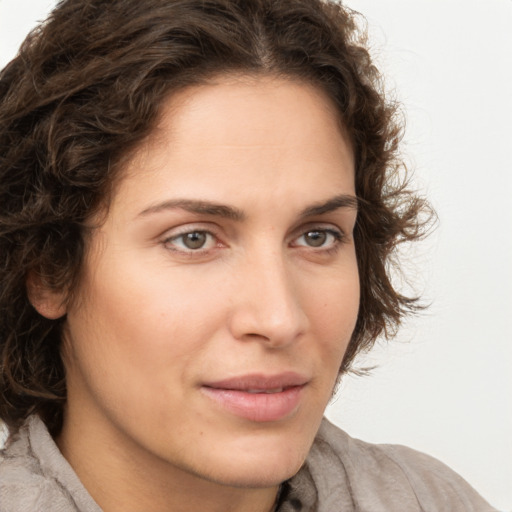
{"x": 245, "y": 133}
{"x": 252, "y": 105}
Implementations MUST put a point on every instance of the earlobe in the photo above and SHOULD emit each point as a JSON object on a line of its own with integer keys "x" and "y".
{"x": 47, "y": 302}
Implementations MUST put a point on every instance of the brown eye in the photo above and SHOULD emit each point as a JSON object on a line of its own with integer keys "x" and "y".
{"x": 319, "y": 238}
{"x": 191, "y": 241}
{"x": 315, "y": 238}
{"x": 194, "y": 240}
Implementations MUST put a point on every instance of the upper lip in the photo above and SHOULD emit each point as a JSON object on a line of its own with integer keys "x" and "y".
{"x": 261, "y": 382}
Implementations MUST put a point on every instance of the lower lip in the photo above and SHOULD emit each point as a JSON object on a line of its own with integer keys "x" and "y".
{"x": 257, "y": 407}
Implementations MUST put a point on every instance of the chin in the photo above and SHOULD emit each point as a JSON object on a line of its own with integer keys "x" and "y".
{"x": 256, "y": 476}
{"x": 258, "y": 464}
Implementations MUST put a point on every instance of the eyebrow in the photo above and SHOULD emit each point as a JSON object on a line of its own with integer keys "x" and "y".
{"x": 232, "y": 213}
{"x": 199, "y": 207}
{"x": 341, "y": 201}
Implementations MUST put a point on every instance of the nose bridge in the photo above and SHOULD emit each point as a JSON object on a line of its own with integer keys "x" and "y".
{"x": 268, "y": 306}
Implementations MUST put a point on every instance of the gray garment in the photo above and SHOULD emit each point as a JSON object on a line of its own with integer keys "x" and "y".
{"x": 341, "y": 474}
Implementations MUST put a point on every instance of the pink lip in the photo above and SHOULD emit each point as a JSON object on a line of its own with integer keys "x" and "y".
{"x": 267, "y": 404}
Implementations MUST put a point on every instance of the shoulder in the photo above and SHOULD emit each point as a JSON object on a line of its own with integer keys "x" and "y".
{"x": 33, "y": 473}
{"x": 390, "y": 477}
{"x": 22, "y": 483}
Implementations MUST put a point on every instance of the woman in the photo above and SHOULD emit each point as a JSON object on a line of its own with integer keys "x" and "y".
{"x": 200, "y": 202}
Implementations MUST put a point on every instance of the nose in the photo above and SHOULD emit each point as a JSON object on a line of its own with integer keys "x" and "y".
{"x": 267, "y": 304}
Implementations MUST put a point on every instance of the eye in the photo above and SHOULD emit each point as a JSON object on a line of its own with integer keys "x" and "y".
{"x": 323, "y": 238}
{"x": 191, "y": 241}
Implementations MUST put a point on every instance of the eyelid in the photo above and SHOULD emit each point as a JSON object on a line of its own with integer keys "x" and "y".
{"x": 188, "y": 227}
{"x": 207, "y": 246}
{"x": 335, "y": 231}
{"x": 175, "y": 233}
{"x": 318, "y": 226}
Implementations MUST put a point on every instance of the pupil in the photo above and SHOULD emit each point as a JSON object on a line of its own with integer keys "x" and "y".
{"x": 195, "y": 240}
{"x": 316, "y": 238}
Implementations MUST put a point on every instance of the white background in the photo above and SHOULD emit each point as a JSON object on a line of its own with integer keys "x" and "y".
{"x": 444, "y": 385}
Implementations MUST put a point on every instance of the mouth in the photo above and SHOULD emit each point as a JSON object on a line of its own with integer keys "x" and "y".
{"x": 258, "y": 398}
{"x": 268, "y": 391}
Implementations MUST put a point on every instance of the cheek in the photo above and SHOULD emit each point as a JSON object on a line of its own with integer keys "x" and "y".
{"x": 145, "y": 309}
{"x": 129, "y": 354}
{"x": 332, "y": 310}
{"x": 139, "y": 336}
{"x": 333, "y": 301}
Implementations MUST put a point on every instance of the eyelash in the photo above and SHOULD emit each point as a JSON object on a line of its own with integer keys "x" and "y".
{"x": 186, "y": 250}
{"x": 336, "y": 235}
{"x": 338, "y": 238}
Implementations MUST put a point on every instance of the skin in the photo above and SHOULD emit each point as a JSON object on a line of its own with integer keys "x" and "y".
{"x": 273, "y": 289}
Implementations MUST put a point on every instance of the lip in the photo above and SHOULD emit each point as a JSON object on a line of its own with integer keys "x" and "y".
{"x": 258, "y": 397}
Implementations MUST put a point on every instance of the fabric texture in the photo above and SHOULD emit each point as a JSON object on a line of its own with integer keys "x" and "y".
{"x": 341, "y": 474}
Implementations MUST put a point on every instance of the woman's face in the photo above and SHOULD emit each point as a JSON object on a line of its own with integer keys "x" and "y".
{"x": 220, "y": 294}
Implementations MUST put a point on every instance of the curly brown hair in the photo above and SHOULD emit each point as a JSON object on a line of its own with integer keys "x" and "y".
{"x": 86, "y": 88}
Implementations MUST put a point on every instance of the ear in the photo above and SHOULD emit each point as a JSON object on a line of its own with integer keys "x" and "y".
{"x": 47, "y": 302}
